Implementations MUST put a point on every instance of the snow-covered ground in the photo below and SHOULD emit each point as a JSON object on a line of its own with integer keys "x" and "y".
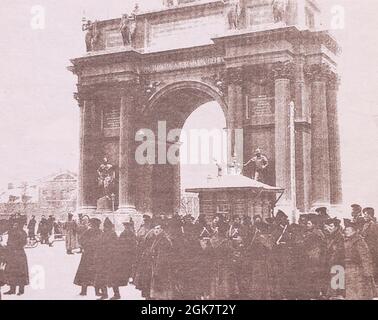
{"x": 52, "y": 272}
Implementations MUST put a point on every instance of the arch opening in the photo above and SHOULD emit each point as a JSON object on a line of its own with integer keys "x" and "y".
{"x": 194, "y": 120}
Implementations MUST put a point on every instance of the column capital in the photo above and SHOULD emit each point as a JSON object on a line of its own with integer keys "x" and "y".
{"x": 149, "y": 87}
{"x": 84, "y": 93}
{"x": 283, "y": 70}
{"x": 131, "y": 85}
{"x": 333, "y": 81}
{"x": 317, "y": 72}
{"x": 235, "y": 76}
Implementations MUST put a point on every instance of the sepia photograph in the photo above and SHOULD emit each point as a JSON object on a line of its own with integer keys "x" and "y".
{"x": 188, "y": 150}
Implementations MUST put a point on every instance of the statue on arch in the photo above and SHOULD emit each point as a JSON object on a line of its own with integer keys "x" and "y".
{"x": 279, "y": 10}
{"x": 106, "y": 178}
{"x": 234, "y": 15}
{"x": 170, "y": 3}
{"x": 92, "y": 35}
{"x": 128, "y": 28}
{"x": 260, "y": 164}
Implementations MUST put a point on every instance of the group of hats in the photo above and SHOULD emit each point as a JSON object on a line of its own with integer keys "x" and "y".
{"x": 320, "y": 216}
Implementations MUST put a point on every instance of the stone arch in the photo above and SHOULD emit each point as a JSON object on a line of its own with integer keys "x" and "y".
{"x": 207, "y": 93}
{"x": 182, "y": 97}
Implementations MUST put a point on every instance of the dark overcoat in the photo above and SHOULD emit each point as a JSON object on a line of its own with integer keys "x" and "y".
{"x": 143, "y": 265}
{"x": 105, "y": 258}
{"x": 86, "y": 272}
{"x": 257, "y": 254}
{"x": 370, "y": 235}
{"x": 359, "y": 280}
{"x": 223, "y": 281}
{"x": 124, "y": 259}
{"x": 162, "y": 286}
{"x": 313, "y": 263}
{"x": 16, "y": 270}
{"x": 334, "y": 256}
{"x": 2, "y": 265}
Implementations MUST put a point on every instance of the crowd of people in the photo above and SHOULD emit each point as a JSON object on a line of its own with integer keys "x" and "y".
{"x": 219, "y": 257}
{"x": 242, "y": 258}
{"x": 45, "y": 229}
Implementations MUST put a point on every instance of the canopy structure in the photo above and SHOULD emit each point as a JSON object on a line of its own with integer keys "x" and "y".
{"x": 234, "y": 182}
{"x": 236, "y": 195}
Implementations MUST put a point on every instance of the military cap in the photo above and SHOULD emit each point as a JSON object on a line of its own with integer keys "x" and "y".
{"x": 269, "y": 220}
{"x": 314, "y": 218}
{"x": 348, "y": 223}
{"x": 334, "y": 221}
{"x": 322, "y": 211}
{"x": 369, "y": 211}
{"x": 281, "y": 215}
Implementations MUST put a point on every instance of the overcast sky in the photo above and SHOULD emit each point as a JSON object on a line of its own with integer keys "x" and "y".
{"x": 39, "y": 117}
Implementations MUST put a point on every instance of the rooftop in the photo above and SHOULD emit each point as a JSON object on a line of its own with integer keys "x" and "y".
{"x": 233, "y": 182}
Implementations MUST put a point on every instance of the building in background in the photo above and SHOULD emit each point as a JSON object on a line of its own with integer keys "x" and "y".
{"x": 58, "y": 192}
{"x": 53, "y": 195}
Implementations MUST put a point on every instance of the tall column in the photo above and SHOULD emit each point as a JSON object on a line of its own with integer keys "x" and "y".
{"x": 320, "y": 173}
{"x": 235, "y": 113}
{"x": 303, "y": 139}
{"x": 282, "y": 77}
{"x": 127, "y": 152}
{"x": 336, "y": 193}
{"x": 176, "y": 188}
{"x": 87, "y": 166}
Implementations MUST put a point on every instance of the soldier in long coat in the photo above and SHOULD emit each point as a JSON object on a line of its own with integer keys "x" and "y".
{"x": 82, "y": 226}
{"x": 257, "y": 255}
{"x": 370, "y": 234}
{"x": 281, "y": 259}
{"x": 143, "y": 264}
{"x": 194, "y": 271}
{"x": 203, "y": 232}
{"x": 31, "y": 228}
{"x": 174, "y": 230}
{"x": 162, "y": 286}
{"x": 16, "y": 269}
{"x": 359, "y": 277}
{"x": 297, "y": 232}
{"x": 223, "y": 282}
{"x": 86, "y": 272}
{"x": 2, "y": 267}
{"x": 70, "y": 229}
{"x": 124, "y": 259}
{"x": 334, "y": 256}
{"x": 313, "y": 263}
{"x": 43, "y": 231}
{"x": 105, "y": 259}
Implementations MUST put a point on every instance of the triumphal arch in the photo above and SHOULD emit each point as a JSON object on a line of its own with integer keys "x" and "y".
{"x": 253, "y": 57}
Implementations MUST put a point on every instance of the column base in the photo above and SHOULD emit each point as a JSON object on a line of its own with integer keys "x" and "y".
{"x": 129, "y": 210}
